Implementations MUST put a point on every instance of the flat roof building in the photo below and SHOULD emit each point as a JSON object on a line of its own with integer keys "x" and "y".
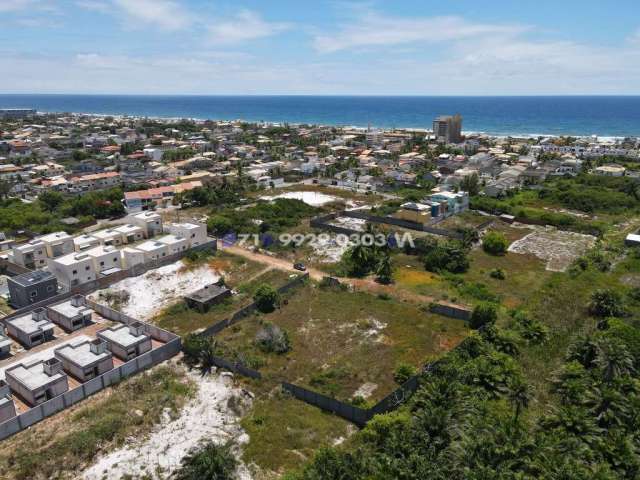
{"x": 195, "y": 233}
{"x": 5, "y": 342}
{"x": 131, "y": 233}
{"x": 207, "y": 296}
{"x": 175, "y": 244}
{"x": 153, "y": 250}
{"x": 85, "y": 242}
{"x": 30, "y": 255}
{"x": 71, "y": 314}
{"x": 85, "y": 360}
{"x": 58, "y": 244}
{"x": 38, "y": 381}
{"x": 126, "y": 341}
{"x": 73, "y": 269}
{"x": 448, "y": 128}
{"x": 31, "y": 329}
{"x": 7, "y": 407}
{"x": 109, "y": 236}
{"x": 31, "y": 287}
{"x": 150, "y": 222}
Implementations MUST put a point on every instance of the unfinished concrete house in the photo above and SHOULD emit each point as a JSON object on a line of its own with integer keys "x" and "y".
{"x": 31, "y": 329}
{"x": 7, "y": 407}
{"x": 126, "y": 341}
{"x": 207, "y": 296}
{"x": 5, "y": 342}
{"x": 72, "y": 314}
{"x": 38, "y": 381}
{"x": 85, "y": 360}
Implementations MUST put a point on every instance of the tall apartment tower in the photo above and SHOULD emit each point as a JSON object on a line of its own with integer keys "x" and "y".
{"x": 448, "y": 128}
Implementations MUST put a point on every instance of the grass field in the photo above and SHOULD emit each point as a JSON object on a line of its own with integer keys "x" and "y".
{"x": 181, "y": 319}
{"x": 61, "y": 445}
{"x": 342, "y": 341}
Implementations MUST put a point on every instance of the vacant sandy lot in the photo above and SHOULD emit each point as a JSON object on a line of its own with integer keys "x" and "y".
{"x": 559, "y": 248}
{"x": 153, "y": 291}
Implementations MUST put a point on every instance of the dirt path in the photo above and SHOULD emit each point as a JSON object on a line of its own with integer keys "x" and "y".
{"x": 366, "y": 284}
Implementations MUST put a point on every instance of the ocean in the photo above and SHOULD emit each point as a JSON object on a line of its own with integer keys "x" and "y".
{"x": 607, "y": 116}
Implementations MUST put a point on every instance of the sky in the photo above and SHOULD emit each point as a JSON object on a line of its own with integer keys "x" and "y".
{"x": 412, "y": 47}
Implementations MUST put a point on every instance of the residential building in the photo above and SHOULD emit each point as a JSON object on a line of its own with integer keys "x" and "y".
{"x": 207, "y": 296}
{"x": 131, "y": 233}
{"x": 7, "y": 407}
{"x": 5, "y": 342}
{"x": 58, "y": 244}
{"x": 31, "y": 287}
{"x": 85, "y": 360}
{"x": 195, "y": 233}
{"x": 106, "y": 259}
{"x": 71, "y": 314}
{"x": 150, "y": 222}
{"x": 153, "y": 250}
{"x": 85, "y": 242}
{"x": 95, "y": 181}
{"x": 109, "y": 236}
{"x": 414, "y": 212}
{"x": 132, "y": 257}
{"x": 126, "y": 341}
{"x": 32, "y": 254}
{"x": 175, "y": 244}
{"x": 454, "y": 202}
{"x": 30, "y": 329}
{"x": 73, "y": 269}
{"x": 448, "y": 128}
{"x": 37, "y": 382}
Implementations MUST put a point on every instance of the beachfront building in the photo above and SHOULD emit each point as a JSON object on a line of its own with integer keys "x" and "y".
{"x": 448, "y": 128}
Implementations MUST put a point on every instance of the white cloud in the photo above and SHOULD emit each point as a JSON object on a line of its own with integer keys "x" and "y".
{"x": 246, "y": 25}
{"x": 95, "y": 6}
{"x": 20, "y": 6}
{"x": 375, "y": 30}
{"x": 164, "y": 14}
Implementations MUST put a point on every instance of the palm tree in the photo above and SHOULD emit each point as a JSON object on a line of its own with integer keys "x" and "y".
{"x": 519, "y": 397}
{"x": 384, "y": 269}
{"x": 614, "y": 359}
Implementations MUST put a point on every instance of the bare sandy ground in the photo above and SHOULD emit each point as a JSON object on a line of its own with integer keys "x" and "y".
{"x": 155, "y": 290}
{"x": 213, "y": 414}
{"x": 558, "y": 247}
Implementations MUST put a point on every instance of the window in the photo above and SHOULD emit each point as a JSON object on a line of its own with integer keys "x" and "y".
{"x": 49, "y": 288}
{"x": 87, "y": 268}
{"x": 115, "y": 259}
{"x": 102, "y": 264}
{"x": 75, "y": 272}
{"x": 33, "y": 294}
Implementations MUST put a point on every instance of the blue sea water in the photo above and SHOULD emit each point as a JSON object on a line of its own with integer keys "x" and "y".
{"x": 566, "y": 115}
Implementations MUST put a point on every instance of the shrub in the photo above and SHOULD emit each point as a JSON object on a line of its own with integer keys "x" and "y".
{"x": 495, "y": 243}
{"x": 534, "y": 331}
{"x": 498, "y": 274}
{"x": 403, "y": 372}
{"x": 483, "y": 314}
{"x": 267, "y": 298}
{"x": 272, "y": 339}
{"x": 606, "y": 303}
{"x": 208, "y": 462}
{"x": 447, "y": 256}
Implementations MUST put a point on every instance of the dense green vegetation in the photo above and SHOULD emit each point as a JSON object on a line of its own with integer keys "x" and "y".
{"x": 548, "y": 391}
{"x": 44, "y": 215}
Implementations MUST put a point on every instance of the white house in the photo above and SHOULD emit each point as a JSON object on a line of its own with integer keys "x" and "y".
{"x": 105, "y": 258}
{"x": 195, "y": 233}
{"x": 85, "y": 242}
{"x": 153, "y": 250}
{"x": 132, "y": 257}
{"x": 31, "y": 255}
{"x": 150, "y": 222}
{"x": 131, "y": 233}
{"x": 109, "y": 236}
{"x": 175, "y": 244}
{"x": 73, "y": 269}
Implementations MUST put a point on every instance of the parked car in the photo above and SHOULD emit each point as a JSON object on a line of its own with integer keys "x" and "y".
{"x": 299, "y": 266}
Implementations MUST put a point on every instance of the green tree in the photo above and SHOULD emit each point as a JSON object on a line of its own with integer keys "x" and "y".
{"x": 51, "y": 200}
{"x": 483, "y": 314}
{"x": 471, "y": 184}
{"x": 266, "y": 298}
{"x": 384, "y": 269}
{"x": 607, "y": 303}
{"x": 495, "y": 243}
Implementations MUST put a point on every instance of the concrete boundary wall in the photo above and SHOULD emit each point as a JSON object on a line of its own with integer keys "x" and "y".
{"x": 172, "y": 346}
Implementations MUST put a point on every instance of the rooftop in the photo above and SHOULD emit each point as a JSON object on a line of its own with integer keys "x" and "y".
{"x": 28, "y": 325}
{"x": 121, "y": 335}
{"x": 81, "y": 354}
{"x": 31, "y": 278}
{"x": 32, "y": 375}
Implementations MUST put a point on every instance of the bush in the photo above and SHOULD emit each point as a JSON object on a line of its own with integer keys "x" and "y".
{"x": 483, "y": 314}
{"x": 606, "y": 303}
{"x": 498, "y": 274}
{"x": 267, "y": 298}
{"x": 448, "y": 256}
{"x": 495, "y": 243}
{"x": 534, "y": 331}
{"x": 208, "y": 462}
{"x": 272, "y": 339}
{"x": 404, "y": 372}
